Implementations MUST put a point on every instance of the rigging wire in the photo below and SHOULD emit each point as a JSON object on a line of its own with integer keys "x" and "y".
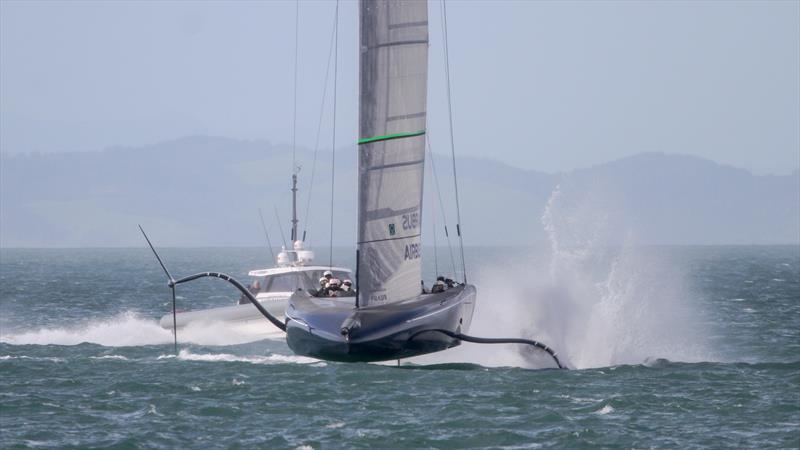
{"x": 319, "y": 132}
{"x": 452, "y": 139}
{"x": 294, "y": 108}
{"x": 283, "y": 238}
{"x": 266, "y": 234}
{"x": 441, "y": 204}
{"x": 435, "y": 246}
{"x": 333, "y": 152}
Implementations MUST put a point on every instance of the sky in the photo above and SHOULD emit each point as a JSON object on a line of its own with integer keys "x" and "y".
{"x": 550, "y": 86}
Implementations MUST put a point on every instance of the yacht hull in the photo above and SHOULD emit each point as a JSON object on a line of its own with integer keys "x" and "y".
{"x": 314, "y": 326}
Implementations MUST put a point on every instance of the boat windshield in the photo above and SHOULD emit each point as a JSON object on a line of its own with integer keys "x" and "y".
{"x": 292, "y": 281}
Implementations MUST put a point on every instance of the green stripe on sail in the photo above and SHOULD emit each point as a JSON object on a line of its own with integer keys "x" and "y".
{"x": 387, "y": 137}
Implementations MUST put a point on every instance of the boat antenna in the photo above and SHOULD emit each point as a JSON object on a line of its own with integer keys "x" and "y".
{"x": 319, "y": 132}
{"x": 452, "y": 139}
{"x": 171, "y": 286}
{"x": 294, "y": 206}
{"x": 283, "y": 238}
{"x": 295, "y": 169}
{"x": 294, "y": 105}
{"x": 266, "y": 234}
{"x": 333, "y": 153}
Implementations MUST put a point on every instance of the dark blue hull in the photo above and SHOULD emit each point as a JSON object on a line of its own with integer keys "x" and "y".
{"x": 332, "y": 329}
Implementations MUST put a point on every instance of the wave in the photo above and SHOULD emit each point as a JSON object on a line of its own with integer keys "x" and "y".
{"x": 607, "y": 409}
{"x": 186, "y": 355}
{"x": 442, "y": 366}
{"x": 32, "y": 358}
{"x": 114, "y": 357}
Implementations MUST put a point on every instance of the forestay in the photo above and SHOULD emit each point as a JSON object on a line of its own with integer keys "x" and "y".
{"x": 393, "y": 88}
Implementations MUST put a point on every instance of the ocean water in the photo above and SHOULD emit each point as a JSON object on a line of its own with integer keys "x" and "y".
{"x": 680, "y": 347}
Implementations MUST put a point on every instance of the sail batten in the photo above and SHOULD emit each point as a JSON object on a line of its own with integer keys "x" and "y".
{"x": 389, "y": 44}
{"x": 386, "y": 137}
{"x": 391, "y": 152}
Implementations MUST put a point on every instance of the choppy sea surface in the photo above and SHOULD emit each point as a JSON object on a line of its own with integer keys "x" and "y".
{"x": 678, "y": 347}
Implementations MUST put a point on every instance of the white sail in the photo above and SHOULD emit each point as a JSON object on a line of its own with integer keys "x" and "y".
{"x": 393, "y": 89}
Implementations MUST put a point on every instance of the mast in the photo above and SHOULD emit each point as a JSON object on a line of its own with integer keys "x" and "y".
{"x": 294, "y": 207}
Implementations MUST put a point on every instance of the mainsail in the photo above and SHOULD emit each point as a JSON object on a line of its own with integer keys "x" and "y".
{"x": 393, "y": 90}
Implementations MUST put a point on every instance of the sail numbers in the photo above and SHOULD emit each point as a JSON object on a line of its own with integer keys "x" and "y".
{"x": 412, "y": 251}
{"x": 411, "y": 221}
{"x": 378, "y": 297}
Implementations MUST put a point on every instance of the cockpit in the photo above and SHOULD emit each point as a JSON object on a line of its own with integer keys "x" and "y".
{"x": 307, "y": 280}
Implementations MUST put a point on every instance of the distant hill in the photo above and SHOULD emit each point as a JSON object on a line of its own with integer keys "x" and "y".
{"x": 206, "y": 191}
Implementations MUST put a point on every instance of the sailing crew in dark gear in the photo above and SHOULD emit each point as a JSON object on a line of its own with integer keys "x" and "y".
{"x": 323, "y": 288}
{"x": 334, "y": 288}
{"x": 439, "y": 286}
{"x": 347, "y": 289}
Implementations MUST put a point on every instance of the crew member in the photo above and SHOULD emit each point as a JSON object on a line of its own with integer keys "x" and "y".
{"x": 439, "y": 286}
{"x": 347, "y": 289}
{"x": 323, "y": 288}
{"x": 334, "y": 287}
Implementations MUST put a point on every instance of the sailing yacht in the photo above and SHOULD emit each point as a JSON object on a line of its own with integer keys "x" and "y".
{"x": 390, "y": 317}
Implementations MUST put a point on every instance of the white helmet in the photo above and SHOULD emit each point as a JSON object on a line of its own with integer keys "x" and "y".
{"x": 334, "y": 282}
{"x": 327, "y": 274}
{"x": 323, "y": 281}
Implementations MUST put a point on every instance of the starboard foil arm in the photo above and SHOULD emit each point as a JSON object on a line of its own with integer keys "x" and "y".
{"x": 480, "y": 340}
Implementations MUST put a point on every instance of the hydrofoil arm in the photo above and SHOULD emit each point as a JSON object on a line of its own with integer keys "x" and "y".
{"x": 480, "y": 340}
{"x": 241, "y": 289}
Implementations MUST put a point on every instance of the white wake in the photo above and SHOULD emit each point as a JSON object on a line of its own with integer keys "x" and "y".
{"x": 130, "y": 329}
{"x": 274, "y": 358}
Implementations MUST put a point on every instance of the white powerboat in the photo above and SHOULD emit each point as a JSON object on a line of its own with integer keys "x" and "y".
{"x": 294, "y": 272}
